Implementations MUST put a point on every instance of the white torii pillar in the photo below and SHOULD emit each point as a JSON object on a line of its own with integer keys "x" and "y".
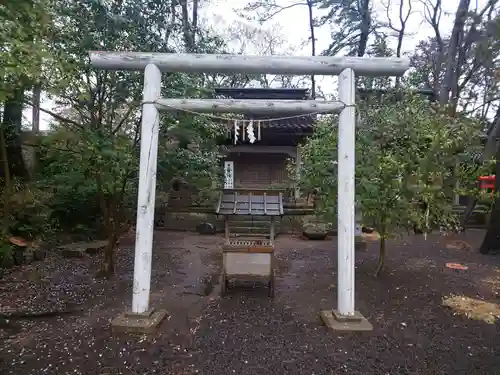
{"x": 150, "y": 126}
{"x": 346, "y": 193}
{"x": 343, "y": 318}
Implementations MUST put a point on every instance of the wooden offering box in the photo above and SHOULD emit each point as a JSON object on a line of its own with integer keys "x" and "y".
{"x": 249, "y": 257}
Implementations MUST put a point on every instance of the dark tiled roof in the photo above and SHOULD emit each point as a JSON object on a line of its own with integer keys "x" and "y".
{"x": 303, "y": 123}
{"x": 262, "y": 93}
{"x": 298, "y": 123}
{"x": 250, "y": 203}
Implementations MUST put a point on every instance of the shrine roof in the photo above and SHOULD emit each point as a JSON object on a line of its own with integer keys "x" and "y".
{"x": 254, "y": 203}
{"x": 262, "y": 93}
{"x": 302, "y": 123}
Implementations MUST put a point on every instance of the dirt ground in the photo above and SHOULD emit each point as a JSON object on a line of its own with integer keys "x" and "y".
{"x": 246, "y": 332}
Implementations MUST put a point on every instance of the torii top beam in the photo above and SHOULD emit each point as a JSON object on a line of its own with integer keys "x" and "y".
{"x": 220, "y": 63}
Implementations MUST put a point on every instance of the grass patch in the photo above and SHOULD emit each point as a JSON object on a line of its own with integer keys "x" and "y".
{"x": 473, "y": 308}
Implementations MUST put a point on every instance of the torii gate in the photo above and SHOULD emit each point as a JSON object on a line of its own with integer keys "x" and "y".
{"x": 153, "y": 64}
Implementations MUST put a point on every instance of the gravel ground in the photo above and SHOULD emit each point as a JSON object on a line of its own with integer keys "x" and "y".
{"x": 246, "y": 332}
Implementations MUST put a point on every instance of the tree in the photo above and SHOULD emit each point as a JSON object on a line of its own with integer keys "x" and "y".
{"x": 24, "y": 26}
{"x": 96, "y": 150}
{"x": 22, "y": 47}
{"x": 406, "y": 153}
{"x": 352, "y": 23}
{"x": 461, "y": 58}
{"x": 265, "y": 10}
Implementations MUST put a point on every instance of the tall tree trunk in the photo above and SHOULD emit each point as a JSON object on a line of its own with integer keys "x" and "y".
{"x": 35, "y": 127}
{"x": 401, "y": 31}
{"x": 108, "y": 265}
{"x": 189, "y": 27}
{"x": 382, "y": 255}
{"x": 366, "y": 23}
{"x": 37, "y": 92}
{"x": 7, "y": 188}
{"x": 12, "y": 119}
{"x": 450, "y": 77}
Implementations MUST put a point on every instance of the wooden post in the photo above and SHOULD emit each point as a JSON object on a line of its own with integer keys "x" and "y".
{"x": 147, "y": 190}
{"x": 346, "y": 194}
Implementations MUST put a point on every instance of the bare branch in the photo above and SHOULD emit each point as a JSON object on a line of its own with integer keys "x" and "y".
{"x": 58, "y": 116}
{"x": 433, "y": 17}
{"x": 124, "y": 118}
{"x": 271, "y": 9}
{"x": 403, "y": 19}
{"x": 279, "y": 10}
{"x": 485, "y": 103}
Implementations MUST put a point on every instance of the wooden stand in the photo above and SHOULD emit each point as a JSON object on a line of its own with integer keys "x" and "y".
{"x": 247, "y": 259}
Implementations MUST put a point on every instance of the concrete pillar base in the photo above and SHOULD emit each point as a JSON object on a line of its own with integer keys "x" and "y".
{"x": 148, "y": 322}
{"x": 336, "y": 322}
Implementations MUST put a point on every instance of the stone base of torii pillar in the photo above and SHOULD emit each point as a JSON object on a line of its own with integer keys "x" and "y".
{"x": 145, "y": 323}
{"x": 333, "y": 320}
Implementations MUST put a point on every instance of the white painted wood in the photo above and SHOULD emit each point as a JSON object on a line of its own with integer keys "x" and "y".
{"x": 252, "y": 264}
{"x": 248, "y": 107}
{"x": 228, "y": 175}
{"x": 147, "y": 190}
{"x": 346, "y": 194}
{"x": 216, "y": 63}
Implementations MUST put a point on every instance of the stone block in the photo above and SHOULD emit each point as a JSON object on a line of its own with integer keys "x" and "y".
{"x": 337, "y": 322}
{"x": 144, "y": 323}
{"x": 79, "y": 249}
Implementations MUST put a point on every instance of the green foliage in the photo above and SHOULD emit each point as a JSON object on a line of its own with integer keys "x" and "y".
{"x": 351, "y": 23}
{"x": 74, "y": 201}
{"x": 24, "y": 25}
{"x": 6, "y": 249}
{"x": 190, "y": 152}
{"x": 91, "y": 156}
{"x": 29, "y": 213}
{"x": 407, "y": 153}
